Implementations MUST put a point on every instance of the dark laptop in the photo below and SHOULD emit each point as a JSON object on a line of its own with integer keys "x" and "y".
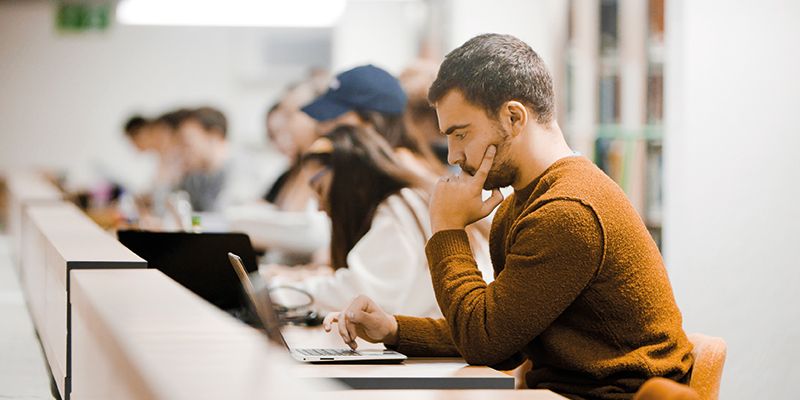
{"x": 198, "y": 261}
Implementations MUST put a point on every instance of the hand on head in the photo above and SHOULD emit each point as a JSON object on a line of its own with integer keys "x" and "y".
{"x": 365, "y": 319}
{"x": 457, "y": 200}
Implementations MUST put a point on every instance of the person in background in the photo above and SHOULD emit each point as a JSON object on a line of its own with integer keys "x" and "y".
{"x": 379, "y": 220}
{"x": 291, "y": 132}
{"x": 158, "y": 136}
{"x": 420, "y": 116}
{"x": 216, "y": 174}
{"x": 134, "y": 129}
{"x": 206, "y": 155}
{"x": 580, "y": 291}
{"x": 369, "y": 96}
{"x": 289, "y": 226}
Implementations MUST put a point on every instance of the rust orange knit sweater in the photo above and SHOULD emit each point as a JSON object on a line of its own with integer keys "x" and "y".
{"x": 580, "y": 289}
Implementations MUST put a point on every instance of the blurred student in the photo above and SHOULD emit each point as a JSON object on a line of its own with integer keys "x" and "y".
{"x": 420, "y": 116}
{"x": 371, "y": 97}
{"x": 289, "y": 226}
{"x": 158, "y": 136}
{"x": 216, "y": 176}
{"x": 379, "y": 219}
{"x": 291, "y": 132}
{"x": 368, "y": 96}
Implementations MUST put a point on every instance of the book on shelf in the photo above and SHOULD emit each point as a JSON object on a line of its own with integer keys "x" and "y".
{"x": 654, "y": 190}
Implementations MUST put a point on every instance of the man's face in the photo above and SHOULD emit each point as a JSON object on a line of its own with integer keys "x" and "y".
{"x": 197, "y": 145}
{"x": 470, "y": 131}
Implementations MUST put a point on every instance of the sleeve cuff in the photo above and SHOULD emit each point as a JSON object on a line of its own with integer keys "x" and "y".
{"x": 447, "y": 243}
{"x": 416, "y": 339}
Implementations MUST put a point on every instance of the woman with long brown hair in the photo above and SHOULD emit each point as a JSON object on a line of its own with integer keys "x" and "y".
{"x": 379, "y": 224}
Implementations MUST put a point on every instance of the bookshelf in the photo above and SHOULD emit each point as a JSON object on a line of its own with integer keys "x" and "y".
{"x": 614, "y": 95}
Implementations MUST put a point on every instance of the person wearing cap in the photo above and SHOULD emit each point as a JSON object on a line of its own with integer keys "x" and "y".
{"x": 370, "y": 96}
{"x": 379, "y": 226}
{"x": 580, "y": 287}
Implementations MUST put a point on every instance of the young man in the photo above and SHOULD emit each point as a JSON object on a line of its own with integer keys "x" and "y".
{"x": 206, "y": 156}
{"x": 580, "y": 286}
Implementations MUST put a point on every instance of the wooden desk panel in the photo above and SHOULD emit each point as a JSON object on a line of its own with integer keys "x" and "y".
{"x": 57, "y": 238}
{"x": 524, "y": 394}
{"x": 139, "y": 334}
{"x": 25, "y": 188}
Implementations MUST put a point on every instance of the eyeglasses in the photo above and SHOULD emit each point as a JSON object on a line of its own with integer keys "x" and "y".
{"x": 314, "y": 180}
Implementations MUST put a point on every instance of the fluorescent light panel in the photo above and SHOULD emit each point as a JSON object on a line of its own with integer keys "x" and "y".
{"x": 271, "y": 13}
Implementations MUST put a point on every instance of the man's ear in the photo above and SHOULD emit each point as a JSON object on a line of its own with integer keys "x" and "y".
{"x": 516, "y": 116}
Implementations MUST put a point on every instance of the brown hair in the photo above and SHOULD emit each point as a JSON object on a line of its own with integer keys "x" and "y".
{"x": 365, "y": 173}
{"x": 211, "y": 119}
{"x": 492, "y": 69}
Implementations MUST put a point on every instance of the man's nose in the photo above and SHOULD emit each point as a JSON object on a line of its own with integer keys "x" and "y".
{"x": 454, "y": 156}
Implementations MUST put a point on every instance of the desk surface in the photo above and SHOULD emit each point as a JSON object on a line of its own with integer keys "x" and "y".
{"x": 78, "y": 240}
{"x": 525, "y": 394}
{"x": 414, "y": 373}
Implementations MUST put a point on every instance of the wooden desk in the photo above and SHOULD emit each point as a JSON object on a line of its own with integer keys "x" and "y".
{"x": 56, "y": 239}
{"x": 24, "y": 189}
{"x": 525, "y": 394}
{"x": 414, "y": 373}
{"x": 139, "y": 334}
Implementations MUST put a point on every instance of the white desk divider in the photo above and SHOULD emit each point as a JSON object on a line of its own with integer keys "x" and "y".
{"x": 160, "y": 341}
{"x": 58, "y": 238}
{"x": 25, "y": 188}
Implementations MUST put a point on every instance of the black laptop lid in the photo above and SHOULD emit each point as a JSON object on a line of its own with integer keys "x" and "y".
{"x": 198, "y": 261}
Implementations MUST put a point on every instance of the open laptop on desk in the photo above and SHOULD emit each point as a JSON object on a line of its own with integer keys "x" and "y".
{"x": 262, "y": 304}
{"x": 198, "y": 261}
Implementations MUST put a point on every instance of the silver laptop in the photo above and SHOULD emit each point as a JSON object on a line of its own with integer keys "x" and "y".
{"x": 262, "y": 304}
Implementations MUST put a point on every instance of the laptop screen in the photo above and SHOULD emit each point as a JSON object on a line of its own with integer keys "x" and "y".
{"x": 260, "y": 302}
{"x": 198, "y": 261}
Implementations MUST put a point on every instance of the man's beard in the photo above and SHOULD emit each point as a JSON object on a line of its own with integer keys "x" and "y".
{"x": 501, "y": 175}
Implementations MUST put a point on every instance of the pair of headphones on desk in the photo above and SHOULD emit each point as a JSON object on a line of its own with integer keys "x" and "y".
{"x": 300, "y": 314}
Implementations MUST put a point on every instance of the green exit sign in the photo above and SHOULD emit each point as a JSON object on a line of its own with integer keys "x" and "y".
{"x": 76, "y": 16}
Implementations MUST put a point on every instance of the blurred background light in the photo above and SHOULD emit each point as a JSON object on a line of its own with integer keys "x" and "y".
{"x": 250, "y": 13}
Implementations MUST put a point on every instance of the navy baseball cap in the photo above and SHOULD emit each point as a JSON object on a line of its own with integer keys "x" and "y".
{"x": 366, "y": 88}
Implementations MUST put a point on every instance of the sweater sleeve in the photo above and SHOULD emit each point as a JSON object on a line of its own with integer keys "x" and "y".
{"x": 553, "y": 254}
{"x": 424, "y": 337}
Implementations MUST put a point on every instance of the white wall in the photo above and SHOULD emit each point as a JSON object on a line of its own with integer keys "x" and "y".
{"x": 384, "y": 33}
{"x": 540, "y": 23}
{"x": 64, "y": 96}
{"x": 732, "y": 205}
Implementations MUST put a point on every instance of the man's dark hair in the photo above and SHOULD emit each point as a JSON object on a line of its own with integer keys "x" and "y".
{"x": 173, "y": 118}
{"x": 134, "y": 125}
{"x": 211, "y": 119}
{"x": 492, "y": 69}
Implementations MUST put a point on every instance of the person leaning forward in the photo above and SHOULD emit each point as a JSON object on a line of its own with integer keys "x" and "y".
{"x": 580, "y": 287}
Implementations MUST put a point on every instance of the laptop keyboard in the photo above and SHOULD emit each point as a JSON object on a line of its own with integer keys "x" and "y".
{"x": 327, "y": 352}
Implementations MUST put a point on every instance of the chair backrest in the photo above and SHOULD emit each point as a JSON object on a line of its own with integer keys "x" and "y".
{"x": 709, "y": 358}
{"x": 665, "y": 389}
